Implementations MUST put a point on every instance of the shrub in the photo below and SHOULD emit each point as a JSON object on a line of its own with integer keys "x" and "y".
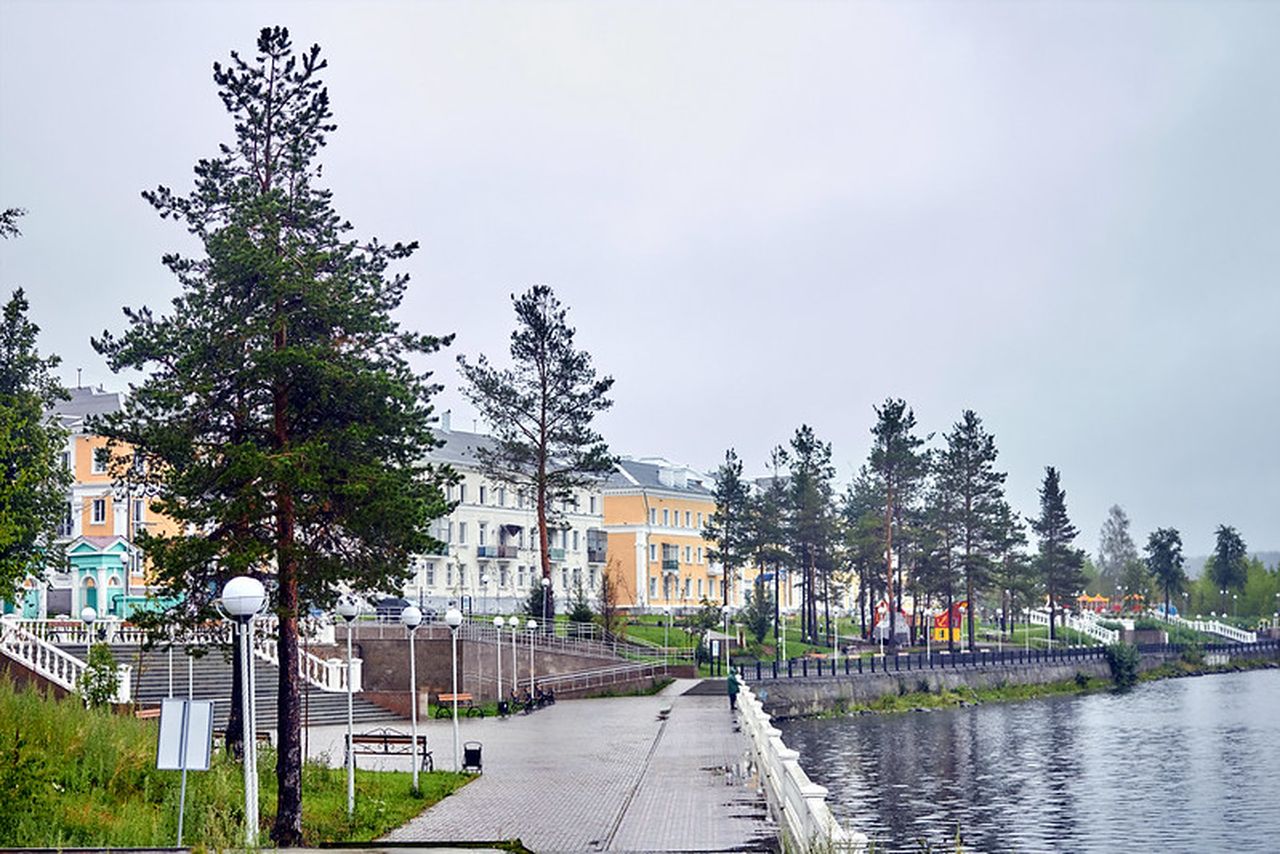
{"x": 1082, "y": 679}
{"x": 1123, "y": 659}
{"x": 1193, "y": 653}
{"x": 100, "y": 681}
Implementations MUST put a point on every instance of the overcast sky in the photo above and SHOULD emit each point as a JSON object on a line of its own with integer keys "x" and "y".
{"x": 1065, "y": 216}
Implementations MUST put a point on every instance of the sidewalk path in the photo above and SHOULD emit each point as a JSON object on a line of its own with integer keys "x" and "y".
{"x": 600, "y": 775}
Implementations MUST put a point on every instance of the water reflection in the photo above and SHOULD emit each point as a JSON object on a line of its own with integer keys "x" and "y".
{"x": 1179, "y": 765}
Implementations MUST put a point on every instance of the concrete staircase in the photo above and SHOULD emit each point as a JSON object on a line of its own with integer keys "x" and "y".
{"x": 212, "y": 675}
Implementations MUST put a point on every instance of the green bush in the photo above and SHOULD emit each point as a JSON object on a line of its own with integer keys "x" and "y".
{"x": 100, "y": 680}
{"x": 1082, "y": 679}
{"x": 1193, "y": 653}
{"x": 1123, "y": 659}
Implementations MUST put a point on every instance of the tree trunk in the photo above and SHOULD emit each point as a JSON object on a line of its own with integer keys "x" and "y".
{"x": 235, "y": 721}
{"x": 287, "y": 831}
{"x": 888, "y": 561}
{"x": 777, "y": 606}
{"x": 544, "y": 544}
{"x": 826, "y": 607}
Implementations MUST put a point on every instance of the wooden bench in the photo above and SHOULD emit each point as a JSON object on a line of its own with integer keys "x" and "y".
{"x": 444, "y": 704}
{"x": 220, "y": 736}
{"x": 147, "y": 714}
{"x": 385, "y": 741}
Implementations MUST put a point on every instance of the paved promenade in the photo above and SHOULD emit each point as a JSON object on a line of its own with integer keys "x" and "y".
{"x": 596, "y": 775}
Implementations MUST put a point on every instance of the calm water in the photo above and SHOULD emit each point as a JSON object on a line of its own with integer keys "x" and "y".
{"x": 1178, "y": 765}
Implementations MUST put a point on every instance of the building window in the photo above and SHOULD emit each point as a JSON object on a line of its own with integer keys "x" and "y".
{"x": 483, "y": 494}
{"x": 137, "y": 510}
{"x": 520, "y": 576}
{"x": 68, "y": 523}
{"x": 502, "y": 496}
{"x": 462, "y": 533}
{"x": 592, "y": 572}
{"x": 448, "y": 575}
{"x": 564, "y": 579}
{"x": 431, "y": 573}
{"x": 687, "y": 519}
{"x": 66, "y": 460}
{"x": 99, "y": 511}
{"x": 653, "y": 515}
{"x": 575, "y": 540}
{"x": 666, "y": 517}
{"x": 502, "y": 576}
{"x": 520, "y": 497}
{"x": 699, "y": 554}
{"x": 688, "y": 587}
{"x": 653, "y": 551}
{"x": 462, "y": 493}
{"x": 699, "y": 521}
{"x": 591, "y": 502}
{"x": 482, "y": 529}
{"x": 653, "y": 587}
{"x": 520, "y": 538}
{"x": 699, "y": 588}
{"x": 462, "y": 575}
{"x": 99, "y": 461}
{"x": 577, "y": 578}
{"x": 688, "y": 554}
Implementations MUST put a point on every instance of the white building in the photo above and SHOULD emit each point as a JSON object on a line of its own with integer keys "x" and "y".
{"x": 490, "y": 558}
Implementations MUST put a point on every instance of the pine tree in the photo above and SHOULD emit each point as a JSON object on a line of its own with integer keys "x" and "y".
{"x": 899, "y": 464}
{"x": 33, "y": 479}
{"x": 1228, "y": 564}
{"x": 279, "y": 421}
{"x": 810, "y": 529}
{"x": 729, "y": 526}
{"x": 1164, "y": 559}
{"x": 1013, "y": 574}
{"x": 1060, "y": 564}
{"x": 1116, "y": 549}
{"x": 967, "y": 464}
{"x": 768, "y": 547}
{"x": 540, "y": 411}
{"x": 862, "y": 533}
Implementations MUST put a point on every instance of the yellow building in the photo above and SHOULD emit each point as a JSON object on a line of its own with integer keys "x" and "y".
{"x": 654, "y": 513}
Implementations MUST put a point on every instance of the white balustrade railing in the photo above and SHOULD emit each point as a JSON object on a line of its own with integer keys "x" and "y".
{"x": 326, "y": 674}
{"x": 43, "y": 658}
{"x": 1212, "y": 627}
{"x": 798, "y": 804}
{"x": 1088, "y": 626}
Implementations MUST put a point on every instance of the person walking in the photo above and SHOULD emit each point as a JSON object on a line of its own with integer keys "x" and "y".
{"x": 733, "y": 690}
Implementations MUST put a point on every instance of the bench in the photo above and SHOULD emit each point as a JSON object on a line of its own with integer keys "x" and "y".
{"x": 264, "y": 736}
{"x": 142, "y": 714}
{"x": 385, "y": 741}
{"x": 444, "y": 704}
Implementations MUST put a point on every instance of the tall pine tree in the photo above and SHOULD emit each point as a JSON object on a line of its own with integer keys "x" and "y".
{"x": 729, "y": 527}
{"x": 1061, "y": 565}
{"x": 810, "y": 528}
{"x": 541, "y": 411}
{"x": 279, "y": 419}
{"x": 1229, "y": 562}
{"x": 967, "y": 464}
{"x": 1164, "y": 560}
{"x": 898, "y": 463}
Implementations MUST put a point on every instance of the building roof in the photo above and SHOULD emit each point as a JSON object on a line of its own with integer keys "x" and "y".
{"x": 655, "y": 474}
{"x": 86, "y": 401}
{"x": 459, "y": 447}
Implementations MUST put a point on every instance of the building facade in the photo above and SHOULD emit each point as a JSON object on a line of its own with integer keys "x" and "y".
{"x": 490, "y": 558}
{"x": 104, "y": 569}
{"x": 655, "y": 512}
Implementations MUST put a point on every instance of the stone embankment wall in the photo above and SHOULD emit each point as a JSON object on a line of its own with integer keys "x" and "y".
{"x": 803, "y": 696}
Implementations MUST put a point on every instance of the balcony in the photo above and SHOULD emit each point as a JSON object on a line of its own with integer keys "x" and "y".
{"x": 441, "y": 550}
{"x": 556, "y": 554}
{"x": 486, "y": 551}
{"x": 671, "y": 565}
{"x": 507, "y": 552}
{"x": 595, "y": 554}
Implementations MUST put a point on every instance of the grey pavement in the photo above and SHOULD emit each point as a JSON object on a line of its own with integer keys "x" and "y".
{"x": 594, "y": 775}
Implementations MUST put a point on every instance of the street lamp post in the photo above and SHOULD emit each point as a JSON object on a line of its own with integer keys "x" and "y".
{"x": 546, "y": 586}
{"x": 453, "y": 619}
{"x": 242, "y": 598}
{"x": 514, "y": 622}
{"x": 532, "y": 626}
{"x": 498, "y": 623}
{"x": 1235, "y": 605}
{"x": 666, "y": 638}
{"x": 347, "y": 611}
{"x": 484, "y": 585}
{"x": 412, "y": 618}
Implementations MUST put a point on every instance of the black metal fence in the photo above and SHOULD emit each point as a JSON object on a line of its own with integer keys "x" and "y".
{"x": 905, "y": 662}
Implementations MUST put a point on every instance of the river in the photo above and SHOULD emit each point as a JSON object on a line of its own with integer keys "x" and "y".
{"x": 1176, "y": 765}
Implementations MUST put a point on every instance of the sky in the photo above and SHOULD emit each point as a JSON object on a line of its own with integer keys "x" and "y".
{"x": 1065, "y": 216}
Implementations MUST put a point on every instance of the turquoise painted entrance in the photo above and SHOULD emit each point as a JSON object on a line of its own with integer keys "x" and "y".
{"x": 90, "y": 594}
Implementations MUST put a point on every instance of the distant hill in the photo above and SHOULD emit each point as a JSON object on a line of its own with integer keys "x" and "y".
{"x": 1195, "y": 565}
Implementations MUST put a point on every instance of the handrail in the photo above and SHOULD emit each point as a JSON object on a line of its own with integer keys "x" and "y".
{"x": 1212, "y": 627}
{"x": 325, "y": 674}
{"x": 48, "y": 661}
{"x": 1086, "y": 627}
{"x": 600, "y": 676}
{"x": 798, "y": 804}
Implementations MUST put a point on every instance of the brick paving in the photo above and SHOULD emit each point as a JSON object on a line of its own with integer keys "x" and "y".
{"x": 595, "y": 775}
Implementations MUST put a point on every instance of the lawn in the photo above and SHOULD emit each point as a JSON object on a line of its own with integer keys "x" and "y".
{"x": 76, "y": 778}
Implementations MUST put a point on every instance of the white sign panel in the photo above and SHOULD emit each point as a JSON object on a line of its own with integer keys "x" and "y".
{"x": 196, "y": 716}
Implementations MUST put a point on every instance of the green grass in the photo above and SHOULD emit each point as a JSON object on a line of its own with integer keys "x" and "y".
{"x": 76, "y": 778}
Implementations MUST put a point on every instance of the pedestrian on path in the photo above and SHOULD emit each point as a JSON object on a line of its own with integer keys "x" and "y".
{"x": 733, "y": 690}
